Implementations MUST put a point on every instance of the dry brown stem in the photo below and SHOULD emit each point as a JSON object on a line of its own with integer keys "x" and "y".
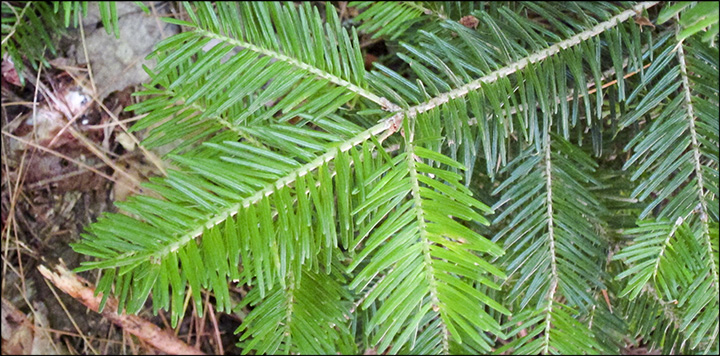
{"x": 83, "y": 291}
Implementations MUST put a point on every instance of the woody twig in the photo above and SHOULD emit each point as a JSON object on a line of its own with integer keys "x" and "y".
{"x": 83, "y": 291}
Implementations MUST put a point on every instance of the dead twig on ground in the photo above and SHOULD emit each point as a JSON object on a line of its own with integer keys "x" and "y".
{"x": 83, "y": 291}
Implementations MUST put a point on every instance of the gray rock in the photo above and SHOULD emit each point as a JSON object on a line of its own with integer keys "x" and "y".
{"x": 122, "y": 7}
{"x": 117, "y": 62}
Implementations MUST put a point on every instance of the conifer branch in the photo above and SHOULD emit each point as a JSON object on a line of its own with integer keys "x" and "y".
{"x": 551, "y": 237}
{"x": 462, "y": 91}
{"x": 383, "y": 102}
{"x": 422, "y": 227}
{"x": 696, "y": 162}
{"x": 384, "y": 129}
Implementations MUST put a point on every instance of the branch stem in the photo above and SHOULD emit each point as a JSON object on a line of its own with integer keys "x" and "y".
{"x": 518, "y": 65}
{"x": 422, "y": 227}
{"x": 697, "y": 165}
{"x": 551, "y": 237}
{"x": 383, "y": 102}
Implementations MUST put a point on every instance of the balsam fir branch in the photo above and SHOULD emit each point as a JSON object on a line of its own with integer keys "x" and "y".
{"x": 284, "y": 183}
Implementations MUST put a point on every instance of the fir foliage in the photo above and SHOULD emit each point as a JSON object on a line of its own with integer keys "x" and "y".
{"x": 543, "y": 182}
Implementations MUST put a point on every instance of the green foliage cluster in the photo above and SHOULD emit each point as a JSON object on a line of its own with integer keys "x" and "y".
{"x": 698, "y": 17}
{"x": 543, "y": 182}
